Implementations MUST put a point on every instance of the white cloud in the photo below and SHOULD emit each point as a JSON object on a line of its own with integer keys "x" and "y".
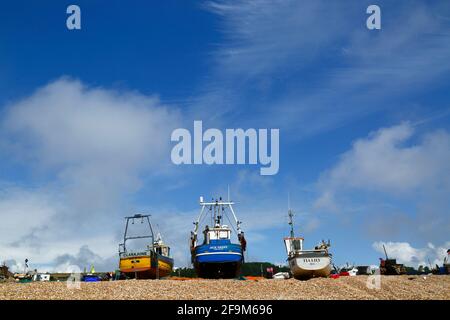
{"x": 394, "y": 183}
{"x": 23, "y": 211}
{"x": 385, "y": 162}
{"x": 84, "y": 258}
{"x": 67, "y": 262}
{"x": 88, "y": 149}
{"x": 410, "y": 256}
{"x": 71, "y": 125}
{"x": 14, "y": 266}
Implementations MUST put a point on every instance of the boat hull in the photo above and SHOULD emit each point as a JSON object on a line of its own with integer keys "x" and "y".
{"x": 224, "y": 270}
{"x": 218, "y": 260}
{"x": 146, "y": 267}
{"x": 310, "y": 265}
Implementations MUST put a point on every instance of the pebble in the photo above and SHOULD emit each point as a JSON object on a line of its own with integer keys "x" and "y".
{"x": 392, "y": 287}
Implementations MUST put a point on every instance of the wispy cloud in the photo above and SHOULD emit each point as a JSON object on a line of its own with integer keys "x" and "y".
{"x": 314, "y": 66}
{"x": 411, "y": 256}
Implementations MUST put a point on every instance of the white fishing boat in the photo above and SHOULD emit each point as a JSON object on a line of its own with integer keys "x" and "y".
{"x": 306, "y": 264}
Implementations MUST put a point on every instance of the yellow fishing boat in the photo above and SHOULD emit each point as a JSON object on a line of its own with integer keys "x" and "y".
{"x": 152, "y": 263}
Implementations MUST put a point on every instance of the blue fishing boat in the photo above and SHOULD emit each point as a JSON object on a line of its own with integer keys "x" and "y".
{"x": 217, "y": 257}
{"x": 91, "y": 278}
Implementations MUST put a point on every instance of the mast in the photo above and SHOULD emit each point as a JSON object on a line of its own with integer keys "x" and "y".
{"x": 218, "y": 206}
{"x": 291, "y": 222}
{"x": 291, "y": 216}
{"x": 145, "y": 236}
{"x": 385, "y": 253}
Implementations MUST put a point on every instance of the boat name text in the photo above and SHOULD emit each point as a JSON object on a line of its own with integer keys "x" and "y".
{"x": 311, "y": 260}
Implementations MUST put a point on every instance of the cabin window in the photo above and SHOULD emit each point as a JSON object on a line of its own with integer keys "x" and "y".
{"x": 212, "y": 235}
{"x": 218, "y": 234}
{"x": 223, "y": 234}
{"x": 165, "y": 251}
{"x": 296, "y": 244}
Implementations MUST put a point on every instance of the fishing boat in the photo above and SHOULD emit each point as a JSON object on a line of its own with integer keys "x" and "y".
{"x": 217, "y": 257}
{"x": 446, "y": 266}
{"x": 306, "y": 264}
{"x": 153, "y": 262}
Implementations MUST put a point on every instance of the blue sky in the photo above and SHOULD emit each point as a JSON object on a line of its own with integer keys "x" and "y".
{"x": 86, "y": 117}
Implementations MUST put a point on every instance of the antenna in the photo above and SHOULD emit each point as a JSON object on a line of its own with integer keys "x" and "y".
{"x": 289, "y": 201}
